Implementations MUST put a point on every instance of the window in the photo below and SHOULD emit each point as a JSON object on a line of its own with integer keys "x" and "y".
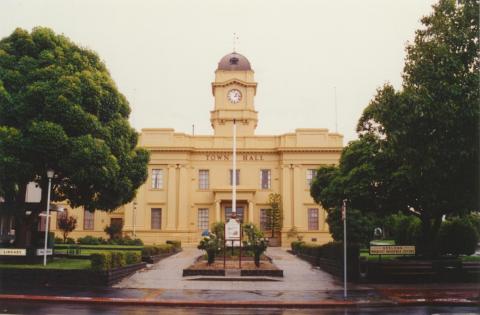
{"x": 156, "y": 218}
{"x": 237, "y": 177}
{"x": 264, "y": 226}
{"x": 157, "y": 178}
{"x": 265, "y": 179}
{"x": 313, "y": 219}
{"x": 203, "y": 179}
{"x": 203, "y": 219}
{"x": 88, "y": 220}
{"x": 61, "y": 215}
{"x": 311, "y": 173}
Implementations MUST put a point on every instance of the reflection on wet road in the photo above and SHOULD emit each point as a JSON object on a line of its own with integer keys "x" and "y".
{"x": 77, "y": 309}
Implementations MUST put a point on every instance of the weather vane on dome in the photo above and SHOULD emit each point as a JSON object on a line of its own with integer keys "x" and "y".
{"x": 235, "y": 38}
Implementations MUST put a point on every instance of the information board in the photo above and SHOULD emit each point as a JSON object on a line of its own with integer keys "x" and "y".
{"x": 392, "y": 250}
{"x": 232, "y": 230}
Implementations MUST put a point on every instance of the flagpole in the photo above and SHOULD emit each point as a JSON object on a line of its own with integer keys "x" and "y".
{"x": 344, "y": 217}
{"x": 234, "y": 171}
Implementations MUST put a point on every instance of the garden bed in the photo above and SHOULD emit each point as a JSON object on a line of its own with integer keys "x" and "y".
{"x": 64, "y": 272}
{"x": 248, "y": 268}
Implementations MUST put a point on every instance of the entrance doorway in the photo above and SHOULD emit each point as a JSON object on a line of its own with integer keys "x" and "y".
{"x": 240, "y": 213}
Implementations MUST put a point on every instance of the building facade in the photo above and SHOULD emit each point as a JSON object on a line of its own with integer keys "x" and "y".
{"x": 189, "y": 186}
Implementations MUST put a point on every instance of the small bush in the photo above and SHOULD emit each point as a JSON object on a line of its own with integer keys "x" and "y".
{"x": 70, "y": 240}
{"x": 296, "y": 245}
{"x": 58, "y": 240}
{"x": 118, "y": 259}
{"x": 153, "y": 250}
{"x": 458, "y": 237}
{"x": 101, "y": 261}
{"x": 132, "y": 257}
{"x": 176, "y": 244}
{"x": 404, "y": 229}
{"x": 88, "y": 240}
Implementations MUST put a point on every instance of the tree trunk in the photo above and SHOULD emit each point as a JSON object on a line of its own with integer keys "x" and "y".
{"x": 428, "y": 242}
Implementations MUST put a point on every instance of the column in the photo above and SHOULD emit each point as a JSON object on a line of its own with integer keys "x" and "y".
{"x": 286, "y": 198}
{"x": 171, "y": 199}
{"x": 183, "y": 199}
{"x": 299, "y": 219}
{"x": 217, "y": 211}
{"x": 250, "y": 211}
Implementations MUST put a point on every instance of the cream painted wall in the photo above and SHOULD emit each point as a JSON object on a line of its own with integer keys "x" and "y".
{"x": 180, "y": 156}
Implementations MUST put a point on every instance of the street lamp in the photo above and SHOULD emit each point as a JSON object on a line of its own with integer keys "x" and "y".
{"x": 50, "y": 174}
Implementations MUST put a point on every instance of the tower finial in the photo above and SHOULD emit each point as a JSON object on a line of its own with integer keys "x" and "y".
{"x": 235, "y": 38}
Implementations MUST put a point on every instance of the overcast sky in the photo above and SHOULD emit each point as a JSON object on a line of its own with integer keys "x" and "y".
{"x": 163, "y": 54}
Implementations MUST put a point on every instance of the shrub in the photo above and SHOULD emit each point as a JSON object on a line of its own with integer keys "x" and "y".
{"x": 114, "y": 230}
{"x": 153, "y": 250}
{"x": 66, "y": 224}
{"x": 404, "y": 229}
{"x": 210, "y": 244}
{"x": 70, "y": 240}
{"x": 176, "y": 244}
{"x": 101, "y": 261}
{"x": 218, "y": 228}
{"x": 118, "y": 259}
{"x": 88, "y": 240}
{"x": 132, "y": 257}
{"x": 58, "y": 240}
{"x": 296, "y": 245}
{"x": 457, "y": 236}
{"x": 255, "y": 242}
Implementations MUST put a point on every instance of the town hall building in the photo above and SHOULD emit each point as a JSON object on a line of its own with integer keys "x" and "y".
{"x": 189, "y": 183}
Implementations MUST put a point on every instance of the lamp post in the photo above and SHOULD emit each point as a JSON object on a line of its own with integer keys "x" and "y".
{"x": 50, "y": 174}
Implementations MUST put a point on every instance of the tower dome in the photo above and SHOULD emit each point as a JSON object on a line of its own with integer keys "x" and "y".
{"x": 234, "y": 62}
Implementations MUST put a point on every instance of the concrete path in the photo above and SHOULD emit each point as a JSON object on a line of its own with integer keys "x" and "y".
{"x": 167, "y": 274}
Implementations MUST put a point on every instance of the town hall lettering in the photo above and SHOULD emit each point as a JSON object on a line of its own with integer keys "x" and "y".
{"x": 228, "y": 157}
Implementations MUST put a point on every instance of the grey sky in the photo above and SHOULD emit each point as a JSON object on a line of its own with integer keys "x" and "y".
{"x": 163, "y": 54}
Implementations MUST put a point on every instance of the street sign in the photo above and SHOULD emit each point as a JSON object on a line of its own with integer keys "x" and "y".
{"x": 13, "y": 252}
{"x": 41, "y": 251}
{"x": 232, "y": 230}
{"x": 392, "y": 250}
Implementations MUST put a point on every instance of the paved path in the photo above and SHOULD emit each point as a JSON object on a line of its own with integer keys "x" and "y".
{"x": 167, "y": 274}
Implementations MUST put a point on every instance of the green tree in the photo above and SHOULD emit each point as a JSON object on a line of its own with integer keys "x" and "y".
{"x": 274, "y": 213}
{"x": 66, "y": 224}
{"x": 422, "y": 140}
{"x": 60, "y": 109}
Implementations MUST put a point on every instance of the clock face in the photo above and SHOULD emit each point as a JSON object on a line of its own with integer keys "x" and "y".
{"x": 234, "y": 96}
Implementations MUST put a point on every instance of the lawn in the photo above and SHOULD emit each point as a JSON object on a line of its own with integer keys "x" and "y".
{"x": 86, "y": 250}
{"x": 57, "y": 263}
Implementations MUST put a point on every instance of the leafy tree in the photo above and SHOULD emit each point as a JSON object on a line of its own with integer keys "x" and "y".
{"x": 60, "y": 109}
{"x": 274, "y": 213}
{"x": 66, "y": 224}
{"x": 421, "y": 142}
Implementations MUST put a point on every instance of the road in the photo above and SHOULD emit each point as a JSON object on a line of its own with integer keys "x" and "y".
{"x": 74, "y": 309}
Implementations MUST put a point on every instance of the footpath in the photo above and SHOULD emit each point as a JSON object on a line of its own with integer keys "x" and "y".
{"x": 302, "y": 287}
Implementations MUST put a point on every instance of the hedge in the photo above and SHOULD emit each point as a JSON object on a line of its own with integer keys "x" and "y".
{"x": 114, "y": 259}
{"x": 332, "y": 250}
{"x": 175, "y": 243}
{"x": 153, "y": 250}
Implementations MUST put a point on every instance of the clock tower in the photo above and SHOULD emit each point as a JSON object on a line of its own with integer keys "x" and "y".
{"x": 234, "y": 91}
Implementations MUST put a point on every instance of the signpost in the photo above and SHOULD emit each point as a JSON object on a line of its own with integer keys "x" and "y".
{"x": 392, "y": 250}
{"x": 344, "y": 218}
